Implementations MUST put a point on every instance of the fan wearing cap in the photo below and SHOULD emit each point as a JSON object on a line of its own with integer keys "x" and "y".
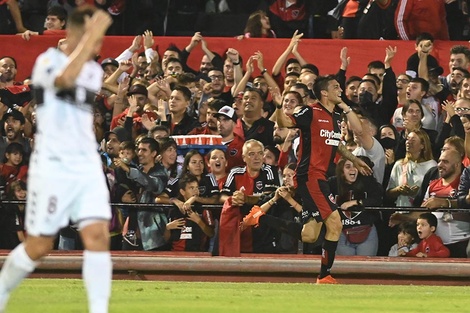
{"x": 137, "y": 96}
{"x": 112, "y": 140}
{"x": 109, "y": 66}
{"x": 226, "y": 122}
{"x": 13, "y": 125}
{"x": 210, "y": 127}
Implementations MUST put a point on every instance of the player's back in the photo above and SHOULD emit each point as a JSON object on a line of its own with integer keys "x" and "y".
{"x": 65, "y": 117}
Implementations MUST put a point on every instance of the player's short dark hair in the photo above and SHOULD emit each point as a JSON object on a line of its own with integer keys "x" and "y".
{"x": 153, "y": 144}
{"x": 429, "y": 217}
{"x": 321, "y": 83}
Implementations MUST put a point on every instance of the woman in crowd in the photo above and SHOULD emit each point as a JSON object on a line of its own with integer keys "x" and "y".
{"x": 388, "y": 139}
{"x": 413, "y": 114}
{"x": 353, "y": 190}
{"x": 217, "y": 164}
{"x": 258, "y": 26}
{"x": 408, "y": 173}
{"x": 208, "y": 187}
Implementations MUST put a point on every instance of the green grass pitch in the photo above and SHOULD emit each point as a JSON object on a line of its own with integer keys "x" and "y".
{"x": 68, "y": 295}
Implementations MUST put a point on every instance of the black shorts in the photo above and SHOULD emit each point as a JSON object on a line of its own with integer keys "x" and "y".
{"x": 317, "y": 200}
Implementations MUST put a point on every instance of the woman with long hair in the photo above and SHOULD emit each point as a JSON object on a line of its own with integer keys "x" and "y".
{"x": 413, "y": 114}
{"x": 353, "y": 190}
{"x": 208, "y": 187}
{"x": 258, "y": 26}
{"x": 408, "y": 173}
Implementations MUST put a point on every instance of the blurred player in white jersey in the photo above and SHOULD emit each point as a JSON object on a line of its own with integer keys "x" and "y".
{"x": 66, "y": 181}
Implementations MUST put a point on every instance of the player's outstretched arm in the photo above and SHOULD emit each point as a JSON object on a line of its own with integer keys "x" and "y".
{"x": 362, "y": 167}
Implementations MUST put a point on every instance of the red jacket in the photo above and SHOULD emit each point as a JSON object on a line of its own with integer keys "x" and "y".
{"x": 432, "y": 247}
{"x": 413, "y": 17}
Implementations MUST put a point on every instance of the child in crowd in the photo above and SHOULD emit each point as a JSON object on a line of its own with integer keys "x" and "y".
{"x": 431, "y": 245}
{"x": 189, "y": 231}
{"x": 12, "y": 167}
{"x": 407, "y": 239}
{"x": 12, "y": 230}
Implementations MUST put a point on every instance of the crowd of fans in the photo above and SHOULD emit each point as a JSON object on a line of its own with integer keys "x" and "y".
{"x": 348, "y": 19}
{"x": 414, "y": 133}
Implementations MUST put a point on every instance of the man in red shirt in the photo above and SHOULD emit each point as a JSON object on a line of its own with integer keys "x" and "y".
{"x": 320, "y": 138}
{"x": 245, "y": 186}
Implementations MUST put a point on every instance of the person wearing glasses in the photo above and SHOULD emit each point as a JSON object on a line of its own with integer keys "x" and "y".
{"x": 217, "y": 86}
{"x": 413, "y": 114}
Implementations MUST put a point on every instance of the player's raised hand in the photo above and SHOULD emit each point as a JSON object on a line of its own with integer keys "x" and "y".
{"x": 99, "y": 23}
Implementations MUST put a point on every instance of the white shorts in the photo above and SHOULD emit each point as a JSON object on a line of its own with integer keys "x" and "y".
{"x": 55, "y": 198}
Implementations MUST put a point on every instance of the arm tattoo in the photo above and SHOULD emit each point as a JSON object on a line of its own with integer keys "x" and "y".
{"x": 346, "y": 153}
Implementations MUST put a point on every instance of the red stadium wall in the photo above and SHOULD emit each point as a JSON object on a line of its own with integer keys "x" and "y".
{"x": 323, "y": 53}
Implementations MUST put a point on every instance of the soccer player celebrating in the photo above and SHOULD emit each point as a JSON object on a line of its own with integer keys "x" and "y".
{"x": 320, "y": 139}
{"x": 65, "y": 178}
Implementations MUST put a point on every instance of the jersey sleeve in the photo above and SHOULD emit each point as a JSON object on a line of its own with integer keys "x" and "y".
{"x": 46, "y": 68}
{"x": 272, "y": 179}
{"x": 172, "y": 188}
{"x": 303, "y": 118}
{"x": 230, "y": 184}
{"x": 213, "y": 186}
